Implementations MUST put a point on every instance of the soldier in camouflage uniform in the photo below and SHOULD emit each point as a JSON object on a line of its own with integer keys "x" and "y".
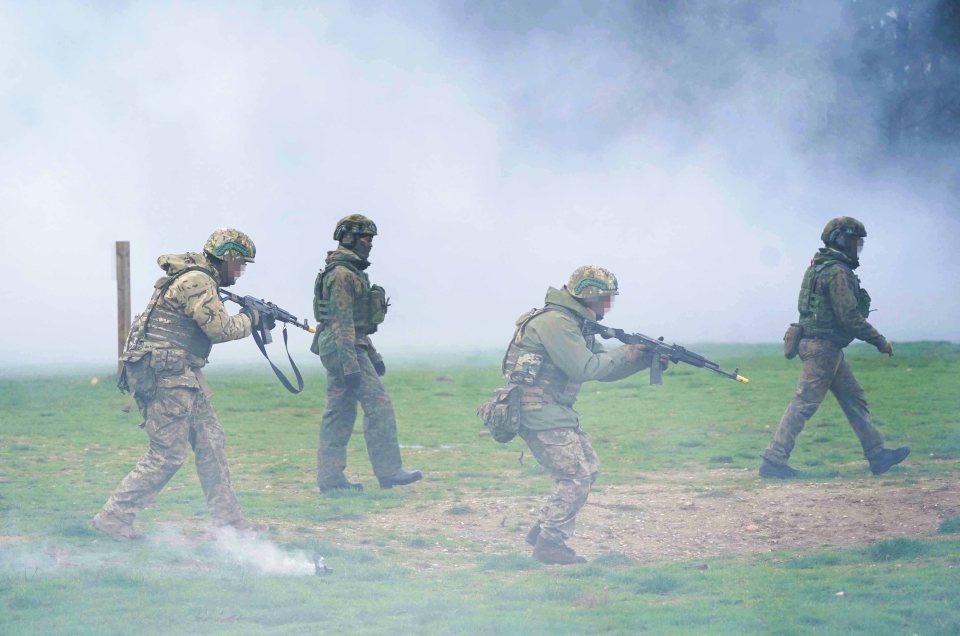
{"x": 833, "y": 312}
{"x": 549, "y": 358}
{"x": 167, "y": 346}
{"x": 348, "y": 309}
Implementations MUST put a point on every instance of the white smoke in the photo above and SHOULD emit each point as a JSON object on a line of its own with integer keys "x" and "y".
{"x": 250, "y": 551}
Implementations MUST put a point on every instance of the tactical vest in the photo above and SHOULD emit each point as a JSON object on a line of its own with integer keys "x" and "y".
{"x": 166, "y": 327}
{"x": 531, "y": 369}
{"x": 816, "y": 309}
{"x": 369, "y": 307}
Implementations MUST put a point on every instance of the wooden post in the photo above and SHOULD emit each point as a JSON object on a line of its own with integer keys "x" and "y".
{"x": 123, "y": 296}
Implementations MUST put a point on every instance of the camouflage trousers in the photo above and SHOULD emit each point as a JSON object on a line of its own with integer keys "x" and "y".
{"x": 824, "y": 369}
{"x": 175, "y": 418}
{"x": 379, "y": 422}
{"x": 567, "y": 455}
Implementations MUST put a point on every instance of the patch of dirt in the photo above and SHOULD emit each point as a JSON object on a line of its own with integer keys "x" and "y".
{"x": 669, "y": 517}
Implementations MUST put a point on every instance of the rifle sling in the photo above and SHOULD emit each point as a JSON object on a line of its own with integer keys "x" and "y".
{"x": 283, "y": 380}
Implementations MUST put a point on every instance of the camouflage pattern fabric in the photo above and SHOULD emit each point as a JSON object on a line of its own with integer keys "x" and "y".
{"x": 345, "y": 348}
{"x": 824, "y": 369}
{"x": 379, "y": 422}
{"x": 551, "y": 346}
{"x": 174, "y": 419}
{"x": 171, "y": 392}
{"x": 343, "y": 294}
{"x": 832, "y": 305}
{"x": 567, "y": 455}
{"x": 567, "y": 359}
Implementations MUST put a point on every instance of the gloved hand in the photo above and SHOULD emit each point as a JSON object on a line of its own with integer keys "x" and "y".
{"x": 352, "y": 380}
{"x": 887, "y": 348}
{"x": 380, "y": 367}
{"x": 269, "y": 321}
{"x": 253, "y": 315}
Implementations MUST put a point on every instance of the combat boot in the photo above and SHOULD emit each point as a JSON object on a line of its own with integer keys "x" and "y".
{"x": 343, "y": 484}
{"x": 887, "y": 458}
{"x": 776, "y": 471}
{"x": 555, "y": 553}
{"x": 115, "y": 528}
{"x": 533, "y": 534}
{"x": 400, "y": 478}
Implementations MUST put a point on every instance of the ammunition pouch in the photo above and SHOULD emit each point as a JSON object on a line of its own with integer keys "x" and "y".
{"x": 378, "y": 306}
{"x": 863, "y": 302}
{"x": 501, "y": 413}
{"x": 791, "y": 340}
{"x": 168, "y": 362}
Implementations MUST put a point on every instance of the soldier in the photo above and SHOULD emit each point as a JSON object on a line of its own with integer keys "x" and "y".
{"x": 167, "y": 346}
{"x": 833, "y": 312}
{"x": 549, "y": 358}
{"x": 348, "y": 309}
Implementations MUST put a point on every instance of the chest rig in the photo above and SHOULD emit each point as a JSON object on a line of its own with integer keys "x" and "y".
{"x": 369, "y": 306}
{"x": 542, "y": 380}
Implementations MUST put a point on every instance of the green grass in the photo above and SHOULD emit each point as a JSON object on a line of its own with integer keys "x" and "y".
{"x": 65, "y": 443}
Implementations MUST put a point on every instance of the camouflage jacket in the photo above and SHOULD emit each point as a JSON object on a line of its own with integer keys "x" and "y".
{"x": 337, "y": 294}
{"x": 569, "y": 359}
{"x": 184, "y": 318}
{"x": 832, "y": 304}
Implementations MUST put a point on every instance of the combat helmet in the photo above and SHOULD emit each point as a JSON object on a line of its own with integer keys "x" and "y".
{"x": 228, "y": 244}
{"x": 589, "y": 281}
{"x": 354, "y": 224}
{"x": 842, "y": 226}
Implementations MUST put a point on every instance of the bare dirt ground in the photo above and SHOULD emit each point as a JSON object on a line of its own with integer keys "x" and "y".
{"x": 673, "y": 516}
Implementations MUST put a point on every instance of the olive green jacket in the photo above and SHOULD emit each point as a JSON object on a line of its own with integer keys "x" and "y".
{"x": 559, "y": 336}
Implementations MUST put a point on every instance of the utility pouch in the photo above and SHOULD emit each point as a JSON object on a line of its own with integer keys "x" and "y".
{"x": 501, "y": 413}
{"x": 791, "y": 340}
{"x": 378, "y": 305}
{"x": 863, "y": 302}
{"x": 138, "y": 378}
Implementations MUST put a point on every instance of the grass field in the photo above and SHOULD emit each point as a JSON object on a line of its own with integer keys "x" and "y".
{"x": 682, "y": 536}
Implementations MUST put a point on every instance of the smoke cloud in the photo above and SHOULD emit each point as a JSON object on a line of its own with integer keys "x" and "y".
{"x": 498, "y": 146}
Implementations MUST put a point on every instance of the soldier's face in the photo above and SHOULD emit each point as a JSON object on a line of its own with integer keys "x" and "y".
{"x": 601, "y": 305}
{"x": 234, "y": 270}
{"x": 363, "y": 246}
{"x": 859, "y": 245}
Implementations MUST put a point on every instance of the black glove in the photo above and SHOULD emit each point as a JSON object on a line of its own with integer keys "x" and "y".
{"x": 269, "y": 321}
{"x": 253, "y": 315}
{"x": 352, "y": 380}
{"x": 380, "y": 367}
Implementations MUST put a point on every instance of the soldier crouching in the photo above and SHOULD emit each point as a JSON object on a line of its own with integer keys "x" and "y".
{"x": 549, "y": 358}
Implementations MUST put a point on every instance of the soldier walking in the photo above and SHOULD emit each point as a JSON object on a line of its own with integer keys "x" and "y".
{"x": 348, "y": 309}
{"x": 167, "y": 346}
{"x": 833, "y": 312}
{"x": 549, "y": 358}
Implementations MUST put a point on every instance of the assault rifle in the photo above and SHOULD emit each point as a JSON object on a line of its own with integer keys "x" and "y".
{"x": 269, "y": 315}
{"x": 267, "y": 310}
{"x": 659, "y": 348}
